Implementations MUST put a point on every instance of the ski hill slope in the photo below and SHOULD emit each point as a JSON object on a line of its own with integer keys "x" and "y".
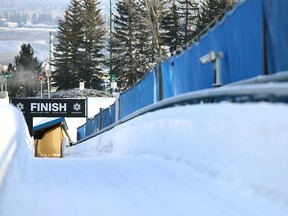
{"x": 208, "y": 159}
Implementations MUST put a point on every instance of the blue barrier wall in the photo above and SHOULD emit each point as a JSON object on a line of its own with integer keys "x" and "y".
{"x": 168, "y": 73}
{"x": 113, "y": 113}
{"x": 139, "y": 96}
{"x": 276, "y": 28}
{"x": 96, "y": 123}
{"x": 106, "y": 117}
{"x": 253, "y": 38}
{"x": 89, "y": 128}
{"x": 81, "y": 132}
{"x": 239, "y": 36}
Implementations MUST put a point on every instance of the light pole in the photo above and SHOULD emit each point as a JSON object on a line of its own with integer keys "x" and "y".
{"x": 110, "y": 72}
{"x": 48, "y": 74}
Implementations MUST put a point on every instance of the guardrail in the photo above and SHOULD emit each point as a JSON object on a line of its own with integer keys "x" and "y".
{"x": 252, "y": 90}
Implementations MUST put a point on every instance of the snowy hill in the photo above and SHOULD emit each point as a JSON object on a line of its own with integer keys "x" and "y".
{"x": 12, "y": 39}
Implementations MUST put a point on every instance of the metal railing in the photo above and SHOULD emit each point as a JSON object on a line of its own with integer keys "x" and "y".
{"x": 270, "y": 88}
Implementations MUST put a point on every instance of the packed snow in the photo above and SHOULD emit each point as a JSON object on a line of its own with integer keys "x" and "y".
{"x": 207, "y": 159}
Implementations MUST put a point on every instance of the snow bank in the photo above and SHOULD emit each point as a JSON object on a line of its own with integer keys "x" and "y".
{"x": 213, "y": 160}
{"x": 14, "y": 137}
{"x": 240, "y": 146}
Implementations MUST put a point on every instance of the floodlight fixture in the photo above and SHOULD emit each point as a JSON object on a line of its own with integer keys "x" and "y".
{"x": 214, "y": 57}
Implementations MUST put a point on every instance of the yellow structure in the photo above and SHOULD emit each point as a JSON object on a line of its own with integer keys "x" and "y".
{"x": 48, "y": 138}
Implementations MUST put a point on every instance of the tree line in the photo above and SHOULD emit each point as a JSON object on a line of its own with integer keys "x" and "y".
{"x": 22, "y": 18}
{"x": 144, "y": 33}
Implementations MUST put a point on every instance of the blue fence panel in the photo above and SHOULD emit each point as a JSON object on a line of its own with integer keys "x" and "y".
{"x": 81, "y": 132}
{"x": 113, "y": 113}
{"x": 276, "y": 34}
{"x": 155, "y": 72}
{"x": 88, "y": 128}
{"x": 168, "y": 71}
{"x": 96, "y": 122}
{"x": 239, "y": 36}
{"x": 106, "y": 118}
{"x": 138, "y": 96}
{"x": 183, "y": 73}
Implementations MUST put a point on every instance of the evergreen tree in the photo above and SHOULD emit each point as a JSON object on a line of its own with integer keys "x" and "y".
{"x": 26, "y": 61}
{"x": 68, "y": 50}
{"x": 127, "y": 65}
{"x": 151, "y": 14}
{"x": 10, "y": 67}
{"x": 25, "y": 78}
{"x": 34, "y": 18}
{"x": 171, "y": 29}
{"x": 78, "y": 54}
{"x": 93, "y": 44}
{"x": 6, "y": 15}
{"x": 210, "y": 12}
{"x": 76, "y": 33}
{"x": 188, "y": 10}
{"x": 64, "y": 75}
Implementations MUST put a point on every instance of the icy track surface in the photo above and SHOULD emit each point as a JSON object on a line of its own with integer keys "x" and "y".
{"x": 206, "y": 160}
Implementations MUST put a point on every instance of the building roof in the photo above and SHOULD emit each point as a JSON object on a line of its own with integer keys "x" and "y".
{"x": 48, "y": 122}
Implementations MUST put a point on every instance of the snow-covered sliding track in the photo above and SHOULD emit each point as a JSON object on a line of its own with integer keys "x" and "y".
{"x": 220, "y": 159}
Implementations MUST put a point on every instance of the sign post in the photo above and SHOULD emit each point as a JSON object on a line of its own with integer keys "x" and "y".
{"x": 41, "y": 82}
{"x": 113, "y": 84}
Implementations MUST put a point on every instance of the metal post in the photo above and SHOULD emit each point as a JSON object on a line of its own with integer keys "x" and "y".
{"x": 6, "y": 84}
{"x": 2, "y": 82}
{"x": 218, "y": 82}
{"x": 86, "y": 111}
{"x": 215, "y": 58}
{"x": 117, "y": 105}
{"x": 50, "y": 62}
{"x": 110, "y": 72}
{"x": 41, "y": 89}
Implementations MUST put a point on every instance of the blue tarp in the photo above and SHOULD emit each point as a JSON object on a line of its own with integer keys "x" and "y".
{"x": 239, "y": 36}
{"x": 168, "y": 73}
{"x": 113, "y": 112}
{"x": 139, "y": 96}
{"x": 81, "y": 132}
{"x": 276, "y": 26}
{"x": 106, "y": 117}
{"x": 96, "y": 123}
{"x": 89, "y": 128}
{"x": 253, "y": 38}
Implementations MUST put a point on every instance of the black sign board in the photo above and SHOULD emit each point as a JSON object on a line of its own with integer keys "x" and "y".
{"x": 50, "y": 108}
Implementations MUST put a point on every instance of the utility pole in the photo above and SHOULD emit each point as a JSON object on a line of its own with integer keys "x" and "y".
{"x": 48, "y": 74}
{"x": 110, "y": 72}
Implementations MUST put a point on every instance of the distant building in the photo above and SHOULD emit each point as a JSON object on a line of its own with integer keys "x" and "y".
{"x": 12, "y": 24}
{"x": 3, "y": 21}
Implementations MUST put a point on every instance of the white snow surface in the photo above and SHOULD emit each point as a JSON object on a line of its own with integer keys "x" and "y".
{"x": 204, "y": 160}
